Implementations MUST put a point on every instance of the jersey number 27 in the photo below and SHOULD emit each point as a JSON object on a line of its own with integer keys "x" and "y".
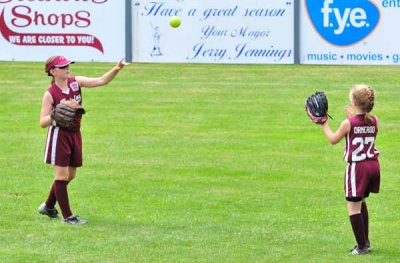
{"x": 359, "y": 154}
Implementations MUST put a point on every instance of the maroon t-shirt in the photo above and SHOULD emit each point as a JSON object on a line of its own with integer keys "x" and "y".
{"x": 73, "y": 93}
{"x": 360, "y": 141}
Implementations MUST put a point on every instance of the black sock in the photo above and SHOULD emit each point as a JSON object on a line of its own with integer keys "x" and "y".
{"x": 62, "y": 197}
{"x": 51, "y": 199}
{"x": 364, "y": 213}
{"x": 357, "y": 224}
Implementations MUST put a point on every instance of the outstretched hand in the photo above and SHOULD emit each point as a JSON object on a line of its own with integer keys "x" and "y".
{"x": 121, "y": 64}
{"x": 349, "y": 111}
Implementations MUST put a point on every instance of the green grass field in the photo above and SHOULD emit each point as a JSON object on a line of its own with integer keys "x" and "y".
{"x": 196, "y": 163}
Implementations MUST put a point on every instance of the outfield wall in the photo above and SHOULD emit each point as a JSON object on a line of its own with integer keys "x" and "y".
{"x": 349, "y": 32}
{"x": 230, "y": 31}
{"x": 83, "y": 30}
{"x": 249, "y": 31}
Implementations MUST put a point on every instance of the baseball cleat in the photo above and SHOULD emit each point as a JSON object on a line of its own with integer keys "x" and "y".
{"x": 73, "y": 220}
{"x": 358, "y": 251}
{"x": 52, "y": 213}
{"x": 367, "y": 244}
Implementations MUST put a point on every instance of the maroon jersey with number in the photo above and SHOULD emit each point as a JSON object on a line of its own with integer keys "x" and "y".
{"x": 360, "y": 141}
{"x": 73, "y": 93}
{"x": 64, "y": 147}
{"x": 362, "y": 175}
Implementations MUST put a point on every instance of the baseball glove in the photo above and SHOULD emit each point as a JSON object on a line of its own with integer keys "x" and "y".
{"x": 65, "y": 113}
{"x": 317, "y": 107}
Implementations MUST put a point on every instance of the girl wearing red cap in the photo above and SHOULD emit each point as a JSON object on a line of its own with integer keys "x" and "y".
{"x": 64, "y": 147}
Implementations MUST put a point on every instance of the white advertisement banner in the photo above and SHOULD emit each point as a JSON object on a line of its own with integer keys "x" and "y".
{"x": 251, "y": 31}
{"x": 349, "y": 32}
{"x": 84, "y": 30}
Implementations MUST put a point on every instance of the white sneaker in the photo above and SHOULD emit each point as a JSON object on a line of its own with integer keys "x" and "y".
{"x": 357, "y": 251}
{"x": 52, "y": 213}
{"x": 73, "y": 220}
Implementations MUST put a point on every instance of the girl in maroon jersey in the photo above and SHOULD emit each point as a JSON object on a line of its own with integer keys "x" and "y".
{"x": 64, "y": 147}
{"x": 362, "y": 175}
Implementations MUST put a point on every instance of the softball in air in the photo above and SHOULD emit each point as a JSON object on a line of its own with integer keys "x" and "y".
{"x": 175, "y": 21}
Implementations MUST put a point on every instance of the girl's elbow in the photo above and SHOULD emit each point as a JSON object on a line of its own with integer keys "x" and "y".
{"x": 43, "y": 123}
{"x": 101, "y": 82}
{"x": 333, "y": 141}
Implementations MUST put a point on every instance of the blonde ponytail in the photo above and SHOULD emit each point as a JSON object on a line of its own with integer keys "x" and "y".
{"x": 364, "y": 98}
{"x": 368, "y": 118}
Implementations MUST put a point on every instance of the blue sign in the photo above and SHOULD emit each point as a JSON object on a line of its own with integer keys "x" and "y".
{"x": 343, "y": 22}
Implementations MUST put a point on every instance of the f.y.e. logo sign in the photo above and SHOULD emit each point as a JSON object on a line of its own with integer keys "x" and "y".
{"x": 343, "y": 22}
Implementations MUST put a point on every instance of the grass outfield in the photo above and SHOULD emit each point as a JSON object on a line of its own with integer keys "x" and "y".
{"x": 196, "y": 163}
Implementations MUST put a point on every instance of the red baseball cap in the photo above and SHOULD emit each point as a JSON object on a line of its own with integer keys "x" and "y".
{"x": 57, "y": 62}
